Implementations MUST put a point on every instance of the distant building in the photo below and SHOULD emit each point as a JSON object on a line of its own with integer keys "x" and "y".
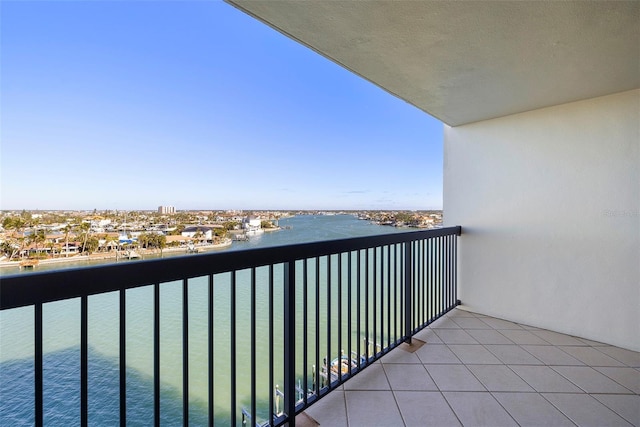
{"x": 252, "y": 225}
{"x": 205, "y": 231}
{"x": 166, "y": 210}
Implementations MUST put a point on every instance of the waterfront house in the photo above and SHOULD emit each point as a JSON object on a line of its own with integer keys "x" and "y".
{"x": 173, "y": 241}
{"x": 108, "y": 245}
{"x": 71, "y": 249}
{"x": 202, "y": 231}
{"x": 252, "y": 225}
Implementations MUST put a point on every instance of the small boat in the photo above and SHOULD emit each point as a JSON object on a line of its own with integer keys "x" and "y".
{"x": 123, "y": 239}
{"x": 342, "y": 365}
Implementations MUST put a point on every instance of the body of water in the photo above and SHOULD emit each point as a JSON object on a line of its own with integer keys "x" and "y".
{"x": 62, "y": 338}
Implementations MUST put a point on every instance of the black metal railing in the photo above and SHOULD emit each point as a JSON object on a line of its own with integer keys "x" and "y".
{"x": 318, "y": 314}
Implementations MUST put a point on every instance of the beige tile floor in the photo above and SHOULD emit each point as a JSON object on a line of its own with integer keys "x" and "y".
{"x": 474, "y": 370}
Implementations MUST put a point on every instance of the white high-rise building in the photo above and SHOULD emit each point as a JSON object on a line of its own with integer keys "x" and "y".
{"x": 166, "y": 210}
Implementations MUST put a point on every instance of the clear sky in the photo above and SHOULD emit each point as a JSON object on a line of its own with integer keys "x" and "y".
{"x": 132, "y": 105}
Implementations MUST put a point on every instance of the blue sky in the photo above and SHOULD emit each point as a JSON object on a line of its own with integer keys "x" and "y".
{"x": 132, "y": 105}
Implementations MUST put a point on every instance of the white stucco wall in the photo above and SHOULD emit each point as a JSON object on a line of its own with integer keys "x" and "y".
{"x": 549, "y": 202}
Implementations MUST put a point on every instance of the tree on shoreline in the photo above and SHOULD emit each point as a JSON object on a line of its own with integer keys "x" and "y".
{"x": 15, "y": 223}
{"x": 162, "y": 243}
{"x": 38, "y": 236}
{"x": 152, "y": 240}
{"x": 67, "y": 229}
{"x": 230, "y": 225}
{"x": 85, "y": 229}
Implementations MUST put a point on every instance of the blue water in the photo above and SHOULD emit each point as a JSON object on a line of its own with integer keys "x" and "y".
{"x": 61, "y": 344}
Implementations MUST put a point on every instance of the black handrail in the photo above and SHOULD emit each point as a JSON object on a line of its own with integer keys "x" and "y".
{"x": 27, "y": 289}
{"x": 416, "y": 286}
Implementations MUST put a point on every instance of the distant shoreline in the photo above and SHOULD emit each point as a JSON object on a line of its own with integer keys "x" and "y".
{"x": 112, "y": 255}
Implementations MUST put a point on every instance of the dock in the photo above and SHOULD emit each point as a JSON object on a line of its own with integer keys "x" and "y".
{"x": 330, "y": 374}
{"x": 29, "y": 263}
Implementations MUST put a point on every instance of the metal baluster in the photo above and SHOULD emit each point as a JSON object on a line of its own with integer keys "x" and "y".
{"x": 210, "y": 351}
{"x": 375, "y": 302}
{"x": 389, "y": 296}
{"x": 185, "y": 352}
{"x": 395, "y": 293}
{"x": 318, "y": 367}
{"x": 407, "y": 292}
{"x": 358, "y": 306}
{"x": 339, "y": 349}
{"x": 233, "y": 348}
{"x": 329, "y": 321}
{"x": 366, "y": 304}
{"x": 123, "y": 358}
{"x": 349, "y": 304}
{"x": 253, "y": 346}
{"x": 38, "y": 365}
{"x": 455, "y": 268}
{"x": 290, "y": 343}
{"x": 271, "y": 358}
{"x": 305, "y": 320}
{"x": 84, "y": 364}
{"x": 156, "y": 355}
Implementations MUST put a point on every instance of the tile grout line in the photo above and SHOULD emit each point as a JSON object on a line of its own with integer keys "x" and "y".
{"x": 395, "y": 399}
{"x": 593, "y": 365}
{"x": 613, "y": 379}
{"x": 505, "y": 409}
{"x": 560, "y": 410}
{"x": 554, "y": 346}
{"x": 592, "y": 368}
{"x": 595, "y": 399}
{"x": 502, "y": 361}
{"x": 525, "y": 331}
{"x": 519, "y": 376}
{"x": 451, "y": 407}
{"x": 613, "y": 410}
{"x": 614, "y": 358}
{"x": 346, "y": 407}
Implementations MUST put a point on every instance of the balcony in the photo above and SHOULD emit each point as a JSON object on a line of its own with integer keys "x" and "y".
{"x": 244, "y": 331}
{"x": 235, "y": 337}
{"x": 540, "y": 105}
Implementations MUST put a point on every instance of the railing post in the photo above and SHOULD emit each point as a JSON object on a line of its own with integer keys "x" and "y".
{"x": 290, "y": 342}
{"x": 408, "y": 279}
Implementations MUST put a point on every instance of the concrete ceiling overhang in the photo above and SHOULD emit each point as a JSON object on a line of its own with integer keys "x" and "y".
{"x": 467, "y": 61}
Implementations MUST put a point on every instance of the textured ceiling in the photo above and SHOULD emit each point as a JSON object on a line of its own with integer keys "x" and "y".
{"x": 466, "y": 61}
